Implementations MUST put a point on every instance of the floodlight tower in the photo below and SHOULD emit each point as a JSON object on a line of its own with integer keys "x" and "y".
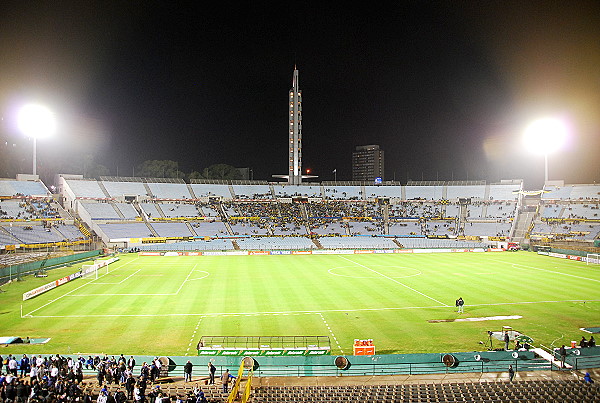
{"x": 36, "y": 121}
{"x": 545, "y": 136}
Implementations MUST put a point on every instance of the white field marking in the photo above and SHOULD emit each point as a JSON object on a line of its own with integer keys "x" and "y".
{"x": 484, "y": 318}
{"x": 186, "y": 279}
{"x": 332, "y": 272}
{"x": 395, "y": 281}
{"x": 332, "y": 334}
{"x": 546, "y": 270}
{"x": 200, "y": 278}
{"x": 193, "y": 336}
{"x": 118, "y": 295}
{"x": 120, "y": 282}
{"x": 204, "y": 314}
{"x": 77, "y": 288}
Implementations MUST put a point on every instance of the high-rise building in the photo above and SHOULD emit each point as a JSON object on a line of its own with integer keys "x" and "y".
{"x": 294, "y": 176}
{"x": 295, "y": 132}
{"x": 367, "y": 163}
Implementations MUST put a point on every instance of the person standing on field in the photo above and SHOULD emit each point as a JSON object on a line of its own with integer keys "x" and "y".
{"x": 460, "y": 304}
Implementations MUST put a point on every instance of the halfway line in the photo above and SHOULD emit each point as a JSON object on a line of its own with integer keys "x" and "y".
{"x": 394, "y": 280}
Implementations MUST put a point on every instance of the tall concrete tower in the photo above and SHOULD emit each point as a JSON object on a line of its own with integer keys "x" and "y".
{"x": 295, "y": 132}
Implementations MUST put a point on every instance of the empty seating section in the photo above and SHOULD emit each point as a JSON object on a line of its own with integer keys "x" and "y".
{"x": 487, "y": 228}
{"x": 425, "y": 243}
{"x": 566, "y": 230}
{"x": 24, "y": 188}
{"x": 69, "y": 232}
{"x": 120, "y": 189}
{"x": 83, "y": 188}
{"x": 129, "y": 212}
{"x": 585, "y": 192}
{"x": 452, "y": 211}
{"x": 504, "y": 210}
{"x": 281, "y": 228}
{"x": 130, "y": 230}
{"x": 465, "y": 192}
{"x": 174, "y": 210}
{"x": 474, "y": 211}
{"x": 424, "y": 192}
{"x": 344, "y": 192}
{"x": 383, "y": 191}
{"x": 31, "y": 234}
{"x": 276, "y": 243}
{"x": 100, "y": 211}
{"x": 206, "y": 190}
{"x": 172, "y": 229}
{"x": 151, "y": 210}
{"x": 297, "y": 191}
{"x": 248, "y": 227}
{"x": 6, "y": 238}
{"x": 548, "y": 390}
{"x": 252, "y": 191}
{"x": 581, "y": 211}
{"x": 359, "y": 242}
{"x": 557, "y": 192}
{"x": 504, "y": 192}
{"x": 210, "y": 228}
{"x": 209, "y": 210}
{"x": 170, "y": 190}
{"x": 213, "y": 244}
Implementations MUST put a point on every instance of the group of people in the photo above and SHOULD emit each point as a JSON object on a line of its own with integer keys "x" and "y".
{"x": 587, "y": 343}
{"x": 60, "y": 379}
{"x": 42, "y": 379}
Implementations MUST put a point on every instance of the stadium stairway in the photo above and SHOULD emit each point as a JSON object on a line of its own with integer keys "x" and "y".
{"x": 551, "y": 359}
{"x": 103, "y": 188}
{"x": 190, "y": 227}
{"x": 191, "y": 190}
{"x": 398, "y": 243}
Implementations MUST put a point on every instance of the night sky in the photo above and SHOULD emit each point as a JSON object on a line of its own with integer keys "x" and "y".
{"x": 445, "y": 88}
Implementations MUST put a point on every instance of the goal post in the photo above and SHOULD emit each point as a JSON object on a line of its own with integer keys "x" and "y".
{"x": 592, "y": 258}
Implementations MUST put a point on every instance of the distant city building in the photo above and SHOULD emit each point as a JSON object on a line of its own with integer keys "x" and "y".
{"x": 367, "y": 163}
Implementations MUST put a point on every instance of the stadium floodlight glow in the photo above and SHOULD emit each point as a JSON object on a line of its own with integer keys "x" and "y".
{"x": 36, "y": 121}
{"x": 545, "y": 136}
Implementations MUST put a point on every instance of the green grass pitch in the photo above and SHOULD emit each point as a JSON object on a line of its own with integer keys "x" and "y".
{"x": 162, "y": 305}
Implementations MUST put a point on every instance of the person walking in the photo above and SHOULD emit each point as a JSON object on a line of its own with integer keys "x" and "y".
{"x": 511, "y": 373}
{"x": 187, "y": 370}
{"x": 211, "y": 373}
{"x": 225, "y": 378}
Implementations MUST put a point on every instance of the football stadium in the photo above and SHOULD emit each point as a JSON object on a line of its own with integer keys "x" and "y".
{"x": 317, "y": 279}
{"x": 252, "y": 283}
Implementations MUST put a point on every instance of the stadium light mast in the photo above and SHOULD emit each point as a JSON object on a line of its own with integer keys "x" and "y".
{"x": 545, "y": 136}
{"x": 36, "y": 121}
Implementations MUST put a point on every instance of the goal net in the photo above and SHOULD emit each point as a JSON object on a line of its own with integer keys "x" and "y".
{"x": 89, "y": 271}
{"x": 593, "y": 258}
